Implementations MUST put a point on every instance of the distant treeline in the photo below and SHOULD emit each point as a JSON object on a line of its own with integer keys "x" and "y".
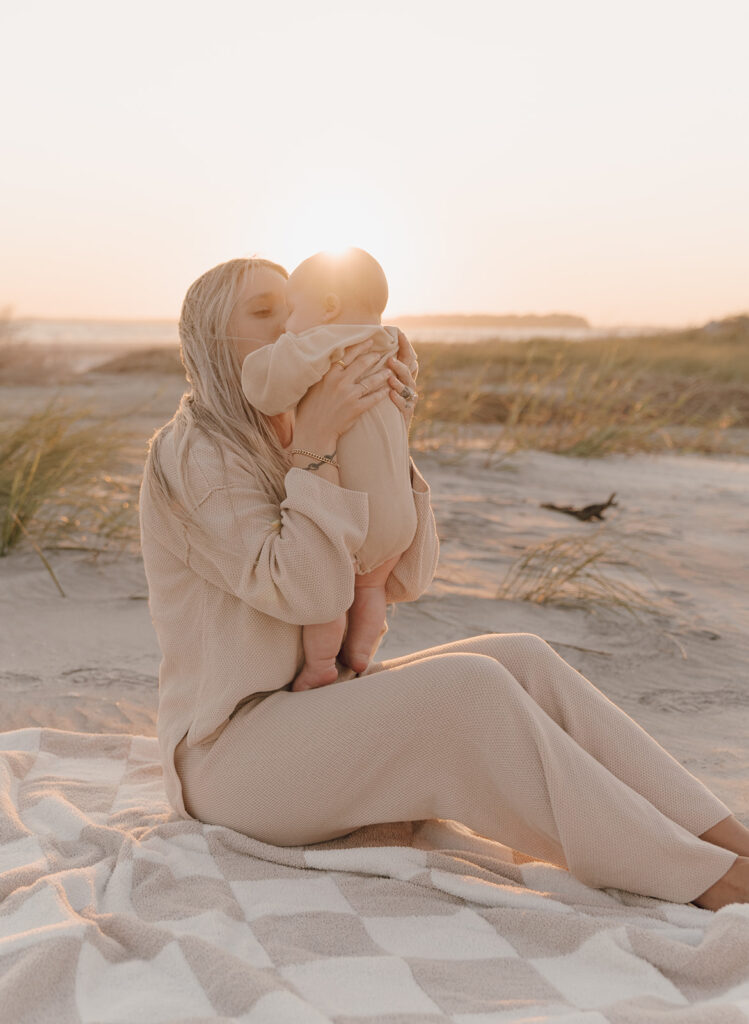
{"x": 493, "y": 320}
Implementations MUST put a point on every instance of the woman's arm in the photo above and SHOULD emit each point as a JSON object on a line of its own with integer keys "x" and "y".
{"x": 294, "y": 559}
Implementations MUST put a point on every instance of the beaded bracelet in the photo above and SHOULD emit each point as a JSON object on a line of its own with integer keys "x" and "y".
{"x": 313, "y": 455}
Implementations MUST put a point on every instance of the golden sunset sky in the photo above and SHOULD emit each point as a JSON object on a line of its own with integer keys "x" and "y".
{"x": 578, "y": 156}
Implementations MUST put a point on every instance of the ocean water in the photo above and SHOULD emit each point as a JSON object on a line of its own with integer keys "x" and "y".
{"x": 120, "y": 334}
{"x": 85, "y": 333}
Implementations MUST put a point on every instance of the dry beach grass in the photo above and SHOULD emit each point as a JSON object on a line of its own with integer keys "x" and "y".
{"x": 685, "y": 391}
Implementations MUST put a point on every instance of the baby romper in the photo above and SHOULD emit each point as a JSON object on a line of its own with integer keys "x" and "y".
{"x": 373, "y": 453}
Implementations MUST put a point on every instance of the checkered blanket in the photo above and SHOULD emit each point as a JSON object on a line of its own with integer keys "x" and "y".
{"x": 115, "y": 909}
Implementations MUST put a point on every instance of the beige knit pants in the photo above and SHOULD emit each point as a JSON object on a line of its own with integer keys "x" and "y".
{"x": 497, "y": 732}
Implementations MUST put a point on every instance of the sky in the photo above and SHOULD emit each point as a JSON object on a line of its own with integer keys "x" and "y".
{"x": 496, "y": 156}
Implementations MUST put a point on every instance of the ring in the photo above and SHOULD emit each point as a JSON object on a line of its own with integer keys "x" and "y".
{"x": 341, "y": 363}
{"x": 363, "y": 385}
{"x": 407, "y": 393}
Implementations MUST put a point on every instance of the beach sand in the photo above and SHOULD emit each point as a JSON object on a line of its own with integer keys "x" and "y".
{"x": 89, "y": 661}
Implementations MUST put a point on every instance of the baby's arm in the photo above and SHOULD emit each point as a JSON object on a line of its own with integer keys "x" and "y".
{"x": 276, "y": 377}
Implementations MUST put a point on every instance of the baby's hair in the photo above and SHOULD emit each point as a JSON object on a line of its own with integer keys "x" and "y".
{"x": 353, "y": 275}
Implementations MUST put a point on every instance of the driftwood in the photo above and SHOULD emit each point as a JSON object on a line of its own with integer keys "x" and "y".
{"x": 588, "y": 513}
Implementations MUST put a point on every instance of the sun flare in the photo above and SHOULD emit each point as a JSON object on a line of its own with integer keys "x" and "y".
{"x": 332, "y": 221}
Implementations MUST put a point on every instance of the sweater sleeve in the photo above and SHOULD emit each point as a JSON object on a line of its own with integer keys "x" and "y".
{"x": 416, "y": 566}
{"x": 275, "y": 377}
{"x": 293, "y": 561}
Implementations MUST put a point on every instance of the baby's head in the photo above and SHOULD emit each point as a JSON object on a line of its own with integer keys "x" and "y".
{"x": 345, "y": 288}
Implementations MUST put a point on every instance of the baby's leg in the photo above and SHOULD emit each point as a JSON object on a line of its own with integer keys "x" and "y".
{"x": 366, "y": 615}
{"x": 321, "y": 642}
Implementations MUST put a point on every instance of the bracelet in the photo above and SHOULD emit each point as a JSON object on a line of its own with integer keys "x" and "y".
{"x": 313, "y": 455}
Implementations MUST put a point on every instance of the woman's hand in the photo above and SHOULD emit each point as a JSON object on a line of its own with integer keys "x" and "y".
{"x": 330, "y": 407}
{"x": 405, "y": 367}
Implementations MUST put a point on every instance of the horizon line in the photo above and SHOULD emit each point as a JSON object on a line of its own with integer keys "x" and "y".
{"x": 401, "y": 315}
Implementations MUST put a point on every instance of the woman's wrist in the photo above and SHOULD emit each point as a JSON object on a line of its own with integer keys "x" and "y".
{"x": 316, "y": 456}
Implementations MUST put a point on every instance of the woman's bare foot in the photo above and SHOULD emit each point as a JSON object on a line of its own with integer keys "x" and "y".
{"x": 313, "y": 676}
{"x": 733, "y": 887}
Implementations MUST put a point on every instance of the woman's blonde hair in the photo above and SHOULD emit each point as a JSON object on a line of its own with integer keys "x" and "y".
{"x": 215, "y": 407}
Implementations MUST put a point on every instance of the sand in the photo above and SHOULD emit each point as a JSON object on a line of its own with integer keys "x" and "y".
{"x": 89, "y": 661}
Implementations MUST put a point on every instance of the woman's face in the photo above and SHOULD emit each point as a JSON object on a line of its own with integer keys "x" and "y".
{"x": 260, "y": 312}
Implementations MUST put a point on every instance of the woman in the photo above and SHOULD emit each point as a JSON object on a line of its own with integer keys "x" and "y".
{"x": 245, "y": 541}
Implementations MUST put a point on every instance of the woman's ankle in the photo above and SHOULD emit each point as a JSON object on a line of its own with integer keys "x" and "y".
{"x": 732, "y": 887}
{"x": 730, "y": 834}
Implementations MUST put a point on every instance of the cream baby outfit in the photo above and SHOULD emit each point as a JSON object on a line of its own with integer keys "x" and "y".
{"x": 373, "y": 453}
{"x": 495, "y": 731}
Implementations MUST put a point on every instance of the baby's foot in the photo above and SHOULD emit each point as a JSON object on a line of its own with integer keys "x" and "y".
{"x": 312, "y": 676}
{"x": 366, "y": 616}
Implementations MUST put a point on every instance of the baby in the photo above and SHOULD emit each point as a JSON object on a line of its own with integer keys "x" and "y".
{"x": 336, "y": 301}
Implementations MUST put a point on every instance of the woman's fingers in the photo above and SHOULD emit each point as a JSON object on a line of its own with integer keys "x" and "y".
{"x": 402, "y": 372}
{"x": 377, "y": 382}
{"x": 403, "y": 402}
{"x": 355, "y": 379}
{"x": 406, "y": 354}
{"x": 381, "y": 377}
{"x": 351, "y": 369}
{"x": 357, "y": 352}
{"x": 401, "y": 379}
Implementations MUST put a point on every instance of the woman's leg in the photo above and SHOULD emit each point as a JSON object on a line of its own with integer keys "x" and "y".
{"x": 599, "y": 726}
{"x": 451, "y": 735}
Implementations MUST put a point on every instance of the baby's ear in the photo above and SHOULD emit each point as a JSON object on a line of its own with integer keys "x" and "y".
{"x": 332, "y": 306}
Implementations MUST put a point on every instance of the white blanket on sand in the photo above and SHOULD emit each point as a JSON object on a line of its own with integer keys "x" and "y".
{"x": 115, "y": 909}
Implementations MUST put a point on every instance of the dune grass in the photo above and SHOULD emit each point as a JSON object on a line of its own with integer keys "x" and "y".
{"x": 577, "y": 570}
{"x": 685, "y": 391}
{"x": 54, "y": 479}
{"x": 719, "y": 356}
{"x": 24, "y": 363}
{"x": 161, "y": 360}
{"x": 15, "y": 353}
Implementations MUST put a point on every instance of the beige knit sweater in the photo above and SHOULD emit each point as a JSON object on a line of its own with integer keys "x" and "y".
{"x": 229, "y": 593}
